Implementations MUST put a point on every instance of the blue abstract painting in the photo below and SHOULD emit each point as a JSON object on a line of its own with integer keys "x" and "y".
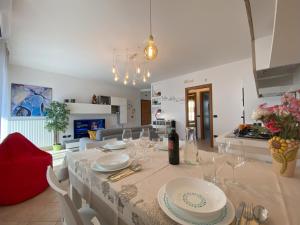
{"x": 28, "y": 100}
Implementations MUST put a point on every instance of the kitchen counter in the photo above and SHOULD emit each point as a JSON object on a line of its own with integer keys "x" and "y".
{"x": 254, "y": 148}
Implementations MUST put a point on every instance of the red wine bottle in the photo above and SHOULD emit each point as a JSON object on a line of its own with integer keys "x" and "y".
{"x": 173, "y": 145}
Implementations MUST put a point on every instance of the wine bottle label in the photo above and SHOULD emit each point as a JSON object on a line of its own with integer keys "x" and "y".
{"x": 171, "y": 145}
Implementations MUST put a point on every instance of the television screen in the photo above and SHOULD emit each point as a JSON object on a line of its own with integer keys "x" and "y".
{"x": 81, "y": 127}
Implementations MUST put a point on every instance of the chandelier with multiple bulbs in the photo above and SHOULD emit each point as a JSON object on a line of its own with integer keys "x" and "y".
{"x": 137, "y": 63}
{"x": 136, "y": 68}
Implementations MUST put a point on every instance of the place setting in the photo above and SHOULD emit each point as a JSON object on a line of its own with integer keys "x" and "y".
{"x": 193, "y": 201}
{"x": 116, "y": 145}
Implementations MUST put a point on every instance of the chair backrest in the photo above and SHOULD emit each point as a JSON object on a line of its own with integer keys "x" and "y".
{"x": 69, "y": 212}
{"x": 99, "y": 143}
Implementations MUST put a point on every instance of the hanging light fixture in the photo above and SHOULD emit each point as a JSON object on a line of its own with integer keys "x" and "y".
{"x": 135, "y": 70}
{"x": 138, "y": 69}
{"x": 151, "y": 50}
{"x": 114, "y": 69}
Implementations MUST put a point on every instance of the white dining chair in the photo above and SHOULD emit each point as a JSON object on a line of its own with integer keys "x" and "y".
{"x": 70, "y": 215}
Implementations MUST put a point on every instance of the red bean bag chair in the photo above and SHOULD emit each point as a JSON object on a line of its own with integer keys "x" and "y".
{"x": 23, "y": 169}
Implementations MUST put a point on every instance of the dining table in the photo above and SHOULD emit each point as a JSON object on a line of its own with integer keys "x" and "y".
{"x": 133, "y": 199}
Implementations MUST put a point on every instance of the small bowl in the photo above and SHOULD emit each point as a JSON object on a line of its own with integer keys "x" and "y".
{"x": 196, "y": 196}
{"x": 113, "y": 161}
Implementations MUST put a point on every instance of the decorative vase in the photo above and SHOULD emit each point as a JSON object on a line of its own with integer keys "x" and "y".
{"x": 57, "y": 147}
{"x": 284, "y": 155}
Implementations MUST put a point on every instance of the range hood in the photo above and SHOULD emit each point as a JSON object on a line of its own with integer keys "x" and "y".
{"x": 278, "y": 80}
{"x": 281, "y": 72}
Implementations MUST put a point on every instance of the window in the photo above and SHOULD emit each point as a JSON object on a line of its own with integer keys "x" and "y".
{"x": 191, "y": 108}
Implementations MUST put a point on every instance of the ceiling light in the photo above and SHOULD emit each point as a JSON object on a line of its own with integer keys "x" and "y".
{"x": 127, "y": 76}
{"x": 138, "y": 70}
{"x": 136, "y": 67}
{"x": 151, "y": 50}
{"x": 114, "y": 70}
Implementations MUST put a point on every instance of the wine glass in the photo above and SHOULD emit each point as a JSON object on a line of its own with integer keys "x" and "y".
{"x": 235, "y": 159}
{"x": 127, "y": 136}
{"x": 145, "y": 134}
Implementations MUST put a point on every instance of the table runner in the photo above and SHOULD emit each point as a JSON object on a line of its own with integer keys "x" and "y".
{"x": 133, "y": 200}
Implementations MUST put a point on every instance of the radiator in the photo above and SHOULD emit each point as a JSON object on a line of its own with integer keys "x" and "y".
{"x": 33, "y": 129}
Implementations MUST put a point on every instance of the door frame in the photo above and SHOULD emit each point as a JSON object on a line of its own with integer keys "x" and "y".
{"x": 209, "y": 86}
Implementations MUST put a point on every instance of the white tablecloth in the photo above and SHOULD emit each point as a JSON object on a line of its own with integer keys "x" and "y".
{"x": 133, "y": 200}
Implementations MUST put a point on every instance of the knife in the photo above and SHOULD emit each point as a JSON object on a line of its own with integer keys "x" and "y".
{"x": 239, "y": 212}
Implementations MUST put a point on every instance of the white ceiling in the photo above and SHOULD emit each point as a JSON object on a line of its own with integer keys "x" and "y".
{"x": 77, "y": 37}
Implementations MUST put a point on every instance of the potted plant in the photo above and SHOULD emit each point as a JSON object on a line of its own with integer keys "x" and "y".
{"x": 283, "y": 122}
{"x": 57, "y": 119}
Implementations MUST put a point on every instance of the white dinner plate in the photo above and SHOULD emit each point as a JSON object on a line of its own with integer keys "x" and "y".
{"x": 117, "y": 145}
{"x": 96, "y": 167}
{"x": 113, "y": 161}
{"x": 196, "y": 196}
{"x": 225, "y": 217}
{"x": 164, "y": 146}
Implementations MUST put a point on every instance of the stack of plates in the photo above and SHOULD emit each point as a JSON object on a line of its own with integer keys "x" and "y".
{"x": 117, "y": 145}
{"x": 194, "y": 201}
{"x": 111, "y": 162}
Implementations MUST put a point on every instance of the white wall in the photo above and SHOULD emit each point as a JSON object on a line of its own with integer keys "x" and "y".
{"x": 3, "y": 90}
{"x": 146, "y": 95}
{"x": 227, "y": 81}
{"x": 81, "y": 89}
{"x": 263, "y": 47}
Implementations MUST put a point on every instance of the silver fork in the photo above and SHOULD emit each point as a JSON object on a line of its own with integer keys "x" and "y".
{"x": 248, "y": 213}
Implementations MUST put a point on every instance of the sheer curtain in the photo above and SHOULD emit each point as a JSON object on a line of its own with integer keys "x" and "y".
{"x": 3, "y": 89}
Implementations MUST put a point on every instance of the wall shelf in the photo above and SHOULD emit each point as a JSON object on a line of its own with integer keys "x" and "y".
{"x": 85, "y": 108}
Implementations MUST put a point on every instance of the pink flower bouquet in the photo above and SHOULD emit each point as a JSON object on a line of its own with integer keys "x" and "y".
{"x": 281, "y": 120}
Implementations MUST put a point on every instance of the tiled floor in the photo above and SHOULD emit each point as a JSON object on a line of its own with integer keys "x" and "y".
{"x": 41, "y": 210}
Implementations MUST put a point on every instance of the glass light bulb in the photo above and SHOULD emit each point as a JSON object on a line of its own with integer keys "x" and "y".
{"x": 126, "y": 76}
{"x": 138, "y": 70}
{"x": 151, "y": 50}
{"x": 148, "y": 74}
{"x": 144, "y": 79}
{"x": 114, "y": 70}
{"x": 116, "y": 78}
{"x": 133, "y": 82}
{"x": 125, "y": 82}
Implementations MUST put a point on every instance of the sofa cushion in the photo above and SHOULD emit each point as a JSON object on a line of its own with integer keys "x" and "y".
{"x": 117, "y": 132}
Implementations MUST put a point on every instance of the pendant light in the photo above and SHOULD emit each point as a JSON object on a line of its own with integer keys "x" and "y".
{"x": 151, "y": 49}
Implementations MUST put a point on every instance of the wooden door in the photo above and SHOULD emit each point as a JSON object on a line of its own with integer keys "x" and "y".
{"x": 145, "y": 112}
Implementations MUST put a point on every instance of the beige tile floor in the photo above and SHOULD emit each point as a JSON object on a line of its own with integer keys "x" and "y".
{"x": 41, "y": 210}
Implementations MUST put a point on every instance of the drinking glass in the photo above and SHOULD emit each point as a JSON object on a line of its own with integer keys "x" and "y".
{"x": 191, "y": 155}
{"x": 156, "y": 143}
{"x": 235, "y": 159}
{"x": 209, "y": 168}
{"x": 145, "y": 134}
{"x": 144, "y": 142}
{"x": 127, "y": 136}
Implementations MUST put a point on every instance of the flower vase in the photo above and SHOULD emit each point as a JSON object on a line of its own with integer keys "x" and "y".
{"x": 284, "y": 155}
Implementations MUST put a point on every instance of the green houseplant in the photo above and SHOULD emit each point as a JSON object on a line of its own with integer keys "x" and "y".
{"x": 57, "y": 119}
